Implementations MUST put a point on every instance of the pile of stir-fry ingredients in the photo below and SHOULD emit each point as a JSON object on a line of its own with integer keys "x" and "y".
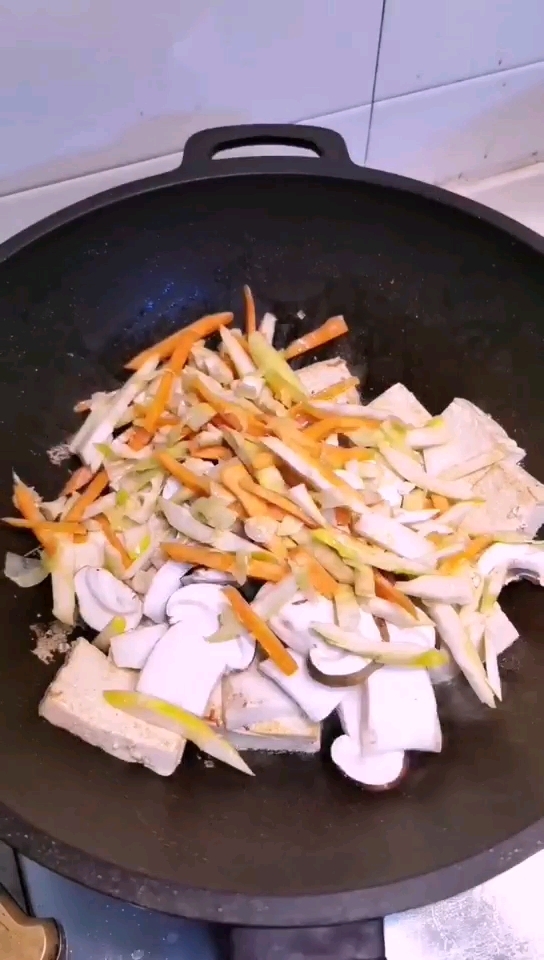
{"x": 379, "y": 538}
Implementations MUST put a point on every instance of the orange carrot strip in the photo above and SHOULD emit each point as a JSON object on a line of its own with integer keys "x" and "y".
{"x": 277, "y": 500}
{"x": 439, "y": 502}
{"x": 81, "y": 538}
{"x": 139, "y": 439}
{"x": 261, "y": 631}
{"x": 225, "y": 562}
{"x": 329, "y": 393}
{"x": 79, "y": 478}
{"x": 25, "y": 501}
{"x": 337, "y": 457}
{"x": 388, "y": 591}
{"x": 46, "y": 526}
{"x": 342, "y": 516}
{"x": 114, "y": 540}
{"x": 320, "y": 579}
{"x": 211, "y": 453}
{"x": 332, "y": 328}
{"x": 99, "y": 483}
{"x": 346, "y": 425}
{"x": 165, "y": 348}
{"x": 251, "y": 324}
{"x": 200, "y": 484}
{"x": 232, "y": 415}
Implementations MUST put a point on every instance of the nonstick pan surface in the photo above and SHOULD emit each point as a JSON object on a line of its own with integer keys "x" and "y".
{"x": 440, "y": 294}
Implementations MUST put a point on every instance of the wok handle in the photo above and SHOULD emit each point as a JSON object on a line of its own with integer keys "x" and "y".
{"x": 348, "y": 941}
{"x": 27, "y": 938}
{"x": 201, "y": 148}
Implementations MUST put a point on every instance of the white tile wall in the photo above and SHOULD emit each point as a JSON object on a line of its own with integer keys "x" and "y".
{"x": 465, "y": 130}
{"x": 426, "y": 43}
{"x": 87, "y": 85}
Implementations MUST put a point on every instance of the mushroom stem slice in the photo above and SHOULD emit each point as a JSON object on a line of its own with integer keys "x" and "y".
{"x": 382, "y": 771}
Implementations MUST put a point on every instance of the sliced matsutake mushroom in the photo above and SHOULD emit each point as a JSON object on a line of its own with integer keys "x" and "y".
{"x": 400, "y": 712}
{"x": 183, "y": 668}
{"x": 101, "y": 597}
{"x": 519, "y": 560}
{"x": 132, "y": 648}
{"x": 209, "y": 599}
{"x": 456, "y": 590}
{"x": 382, "y": 771}
{"x": 346, "y": 670}
{"x": 164, "y": 583}
{"x": 315, "y": 700}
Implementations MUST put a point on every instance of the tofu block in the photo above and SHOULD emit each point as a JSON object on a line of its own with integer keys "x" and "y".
{"x": 74, "y": 702}
{"x": 258, "y": 715}
{"x": 325, "y": 373}
{"x": 514, "y": 500}
{"x": 473, "y": 434}
{"x": 401, "y": 403}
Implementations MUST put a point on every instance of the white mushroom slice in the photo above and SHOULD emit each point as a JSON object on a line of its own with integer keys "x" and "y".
{"x": 190, "y": 601}
{"x": 412, "y": 471}
{"x": 375, "y": 772}
{"x": 519, "y": 559}
{"x": 315, "y": 700}
{"x": 511, "y": 499}
{"x": 401, "y": 712}
{"x": 472, "y": 434}
{"x": 454, "y": 635}
{"x": 421, "y": 634}
{"x": 352, "y": 711}
{"x": 132, "y": 649}
{"x": 292, "y": 623}
{"x": 392, "y": 535}
{"x": 457, "y": 590}
{"x": 91, "y": 552}
{"x": 101, "y": 597}
{"x": 165, "y": 582}
{"x": 400, "y": 403}
{"x": 346, "y": 670}
{"x": 183, "y": 668}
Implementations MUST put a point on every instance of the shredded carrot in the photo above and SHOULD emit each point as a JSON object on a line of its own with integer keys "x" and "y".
{"x": 332, "y": 328}
{"x": 231, "y": 475}
{"x": 259, "y": 629}
{"x": 320, "y": 579}
{"x": 439, "y": 502}
{"x": 262, "y": 460}
{"x": 46, "y": 526}
{"x": 25, "y": 501}
{"x": 165, "y": 348}
{"x": 224, "y": 562}
{"x": 476, "y": 546}
{"x": 345, "y": 425}
{"x": 287, "y": 431}
{"x": 337, "y": 457}
{"x": 211, "y": 453}
{"x": 342, "y": 516}
{"x": 232, "y": 415}
{"x": 139, "y": 439}
{"x": 81, "y": 537}
{"x": 388, "y": 591}
{"x": 79, "y": 478}
{"x": 251, "y": 324}
{"x": 200, "y": 484}
{"x": 99, "y": 483}
{"x": 114, "y": 540}
{"x": 277, "y": 500}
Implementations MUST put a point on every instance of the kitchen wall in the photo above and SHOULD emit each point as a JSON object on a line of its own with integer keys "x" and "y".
{"x": 424, "y": 87}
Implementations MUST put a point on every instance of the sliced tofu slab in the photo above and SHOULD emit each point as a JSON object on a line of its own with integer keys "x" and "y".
{"x": 513, "y": 500}
{"x": 399, "y": 402}
{"x": 74, "y": 702}
{"x": 473, "y": 434}
{"x": 326, "y": 373}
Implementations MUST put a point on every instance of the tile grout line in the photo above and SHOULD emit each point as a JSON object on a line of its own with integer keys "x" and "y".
{"x": 375, "y": 81}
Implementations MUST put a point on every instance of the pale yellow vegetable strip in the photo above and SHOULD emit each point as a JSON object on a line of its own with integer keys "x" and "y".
{"x": 114, "y": 541}
{"x": 332, "y": 328}
{"x": 329, "y": 393}
{"x": 224, "y": 562}
{"x": 387, "y": 591}
{"x": 337, "y": 457}
{"x": 200, "y": 484}
{"x": 165, "y": 348}
{"x": 277, "y": 500}
{"x": 262, "y": 633}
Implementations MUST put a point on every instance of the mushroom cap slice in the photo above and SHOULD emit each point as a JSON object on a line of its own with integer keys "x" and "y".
{"x": 346, "y": 670}
{"x": 132, "y": 648}
{"x": 375, "y": 772}
{"x": 208, "y": 600}
{"x": 165, "y": 582}
{"x": 101, "y": 597}
{"x": 315, "y": 700}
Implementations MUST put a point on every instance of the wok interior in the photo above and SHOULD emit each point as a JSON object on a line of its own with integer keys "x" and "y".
{"x": 435, "y": 299}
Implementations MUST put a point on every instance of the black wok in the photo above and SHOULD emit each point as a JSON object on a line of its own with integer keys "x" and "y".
{"x": 440, "y": 293}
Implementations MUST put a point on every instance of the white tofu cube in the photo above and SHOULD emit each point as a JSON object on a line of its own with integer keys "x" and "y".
{"x": 326, "y": 373}
{"x": 513, "y": 500}
{"x": 74, "y": 702}
{"x": 399, "y": 402}
{"x": 473, "y": 434}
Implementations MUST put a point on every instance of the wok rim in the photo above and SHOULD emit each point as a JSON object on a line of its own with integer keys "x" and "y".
{"x": 245, "y": 909}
